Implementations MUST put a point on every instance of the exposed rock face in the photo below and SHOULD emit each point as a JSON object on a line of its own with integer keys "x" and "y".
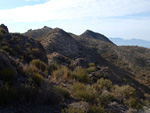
{"x": 94, "y": 35}
{"x": 80, "y": 62}
{"x": 4, "y": 27}
{"x": 38, "y": 33}
{"x": 61, "y": 42}
{"x": 5, "y": 62}
{"x": 59, "y": 59}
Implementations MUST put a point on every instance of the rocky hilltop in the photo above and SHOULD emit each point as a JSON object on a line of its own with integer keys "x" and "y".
{"x": 38, "y": 33}
{"x": 60, "y": 41}
{"x": 94, "y": 35}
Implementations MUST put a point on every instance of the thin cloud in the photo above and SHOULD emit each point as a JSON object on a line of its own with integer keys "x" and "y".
{"x": 75, "y": 9}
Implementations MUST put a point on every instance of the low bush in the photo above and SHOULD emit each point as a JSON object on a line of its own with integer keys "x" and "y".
{"x": 124, "y": 92}
{"x": 81, "y": 92}
{"x": 102, "y": 84}
{"x": 96, "y": 109}
{"x": 62, "y": 73}
{"x": 39, "y": 64}
{"x": 38, "y": 79}
{"x": 51, "y": 68}
{"x": 133, "y": 103}
{"x": 105, "y": 98}
{"x": 9, "y": 50}
{"x": 35, "y": 51}
{"x": 63, "y": 91}
{"x": 30, "y": 70}
{"x": 91, "y": 65}
{"x": 18, "y": 48}
{"x": 91, "y": 68}
{"x": 80, "y": 74}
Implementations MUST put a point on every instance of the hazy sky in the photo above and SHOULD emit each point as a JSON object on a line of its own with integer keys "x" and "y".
{"x": 113, "y": 18}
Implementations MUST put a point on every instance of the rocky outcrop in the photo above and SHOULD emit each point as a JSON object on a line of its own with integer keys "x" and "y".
{"x": 38, "y": 33}
{"x": 4, "y": 27}
{"x": 59, "y": 59}
{"x": 80, "y": 62}
{"x": 94, "y": 35}
{"x": 5, "y": 62}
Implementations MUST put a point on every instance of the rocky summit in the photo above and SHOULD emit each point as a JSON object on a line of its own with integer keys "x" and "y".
{"x": 94, "y": 35}
{"x": 38, "y": 33}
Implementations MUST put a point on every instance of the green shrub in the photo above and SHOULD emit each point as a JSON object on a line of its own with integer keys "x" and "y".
{"x": 35, "y": 51}
{"x": 81, "y": 92}
{"x": 51, "y": 68}
{"x": 105, "y": 98}
{"x": 73, "y": 110}
{"x": 61, "y": 73}
{"x": 18, "y": 48}
{"x": 38, "y": 79}
{"x": 28, "y": 56}
{"x": 9, "y": 50}
{"x": 39, "y": 64}
{"x": 63, "y": 91}
{"x": 96, "y": 109}
{"x": 124, "y": 92}
{"x": 133, "y": 103}
{"x": 91, "y": 65}
{"x": 102, "y": 84}
{"x": 30, "y": 70}
{"x": 81, "y": 75}
{"x": 91, "y": 69}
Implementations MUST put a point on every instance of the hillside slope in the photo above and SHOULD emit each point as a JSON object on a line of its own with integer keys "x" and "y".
{"x": 131, "y": 58}
{"x": 22, "y": 47}
{"x": 61, "y": 42}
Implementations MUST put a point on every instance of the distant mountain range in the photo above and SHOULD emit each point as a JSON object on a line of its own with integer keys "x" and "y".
{"x": 132, "y": 42}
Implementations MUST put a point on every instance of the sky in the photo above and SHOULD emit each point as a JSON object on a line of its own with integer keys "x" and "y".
{"x": 126, "y": 19}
